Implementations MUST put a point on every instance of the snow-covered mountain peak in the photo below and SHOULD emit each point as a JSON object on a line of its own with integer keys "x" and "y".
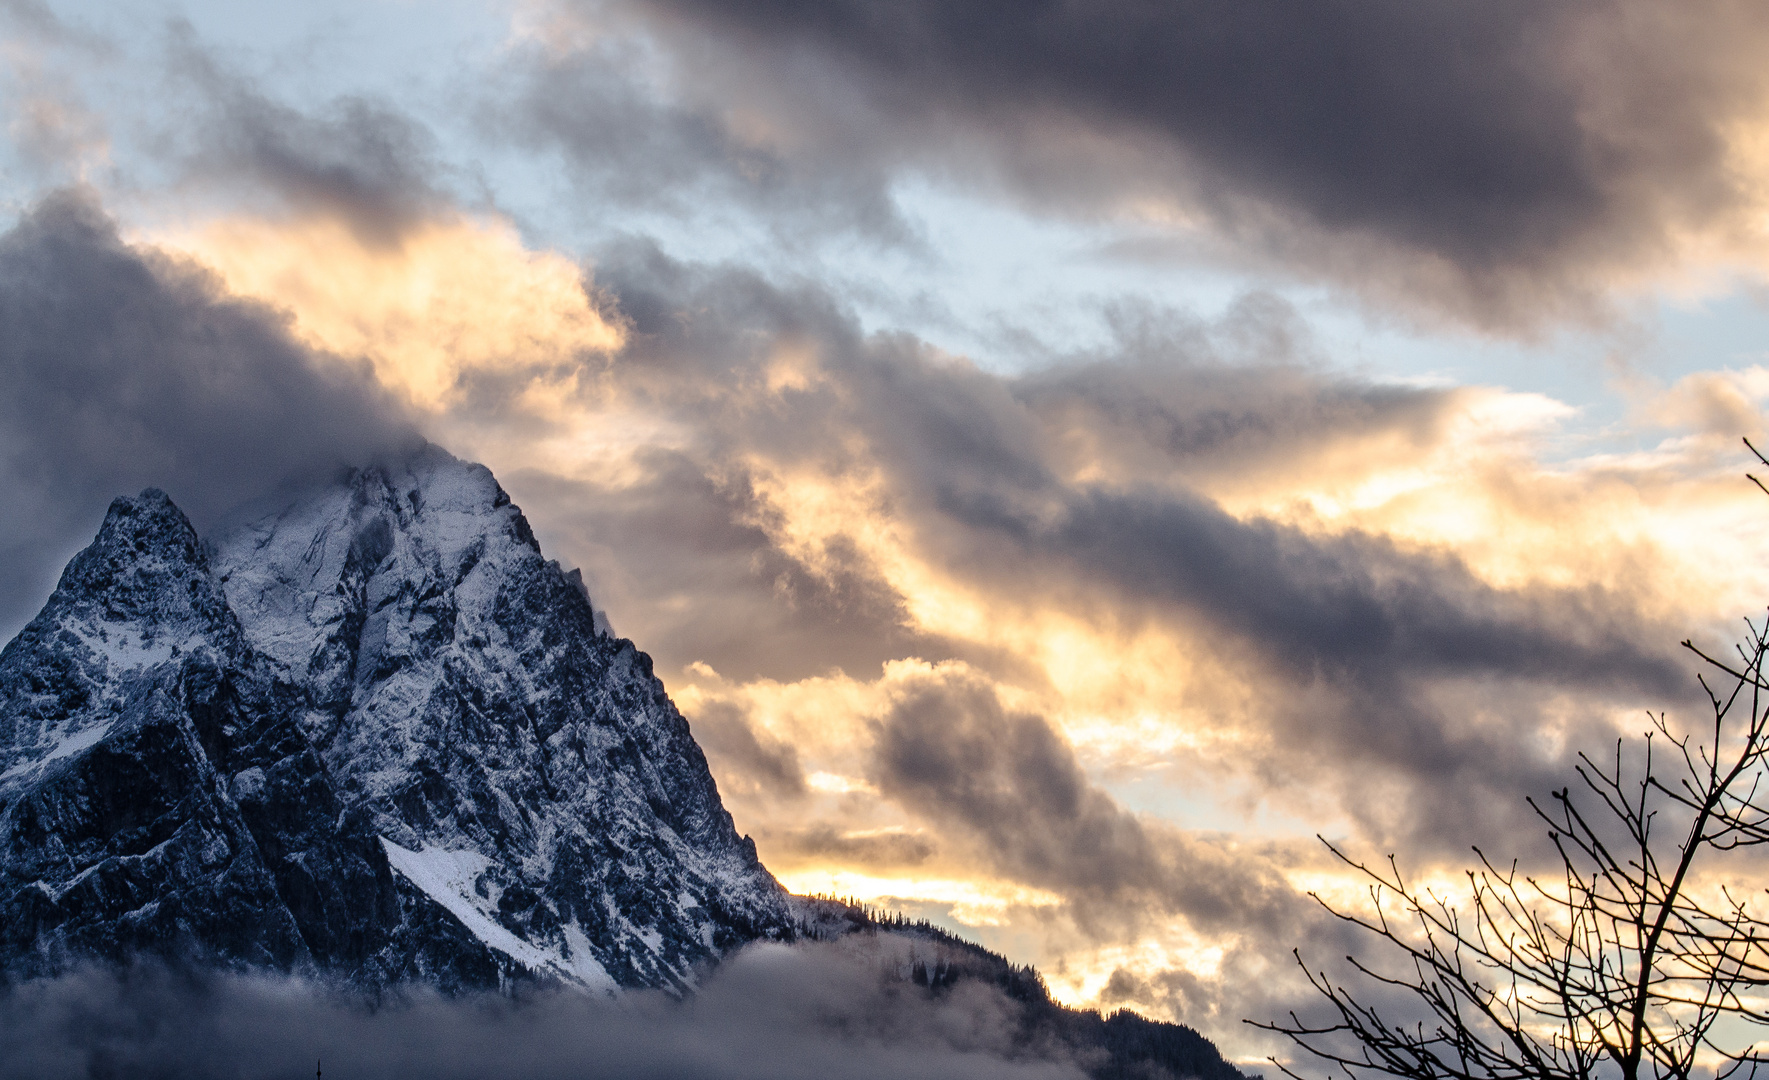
{"x": 141, "y": 590}
{"x": 289, "y": 575}
{"x": 416, "y": 754}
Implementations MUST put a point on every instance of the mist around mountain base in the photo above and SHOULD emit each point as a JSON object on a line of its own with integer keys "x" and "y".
{"x": 813, "y": 1009}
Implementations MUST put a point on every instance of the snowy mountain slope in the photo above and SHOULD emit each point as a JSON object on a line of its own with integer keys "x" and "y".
{"x": 375, "y": 734}
{"x": 465, "y": 698}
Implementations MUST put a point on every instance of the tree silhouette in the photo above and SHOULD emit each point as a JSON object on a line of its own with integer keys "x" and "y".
{"x": 1622, "y": 962}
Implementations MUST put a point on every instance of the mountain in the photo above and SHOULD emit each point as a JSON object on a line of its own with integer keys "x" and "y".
{"x": 375, "y": 735}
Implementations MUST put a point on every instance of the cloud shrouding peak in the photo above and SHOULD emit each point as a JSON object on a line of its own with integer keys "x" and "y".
{"x": 126, "y": 368}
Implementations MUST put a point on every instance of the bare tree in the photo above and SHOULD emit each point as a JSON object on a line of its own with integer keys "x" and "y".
{"x": 1635, "y": 959}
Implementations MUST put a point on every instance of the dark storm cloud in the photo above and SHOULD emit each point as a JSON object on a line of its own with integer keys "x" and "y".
{"x": 358, "y": 160}
{"x": 1354, "y": 607}
{"x": 683, "y": 546}
{"x": 1366, "y": 654}
{"x": 819, "y": 1011}
{"x": 1251, "y": 395}
{"x": 124, "y": 369}
{"x": 949, "y": 752}
{"x": 875, "y": 851}
{"x": 1497, "y": 150}
{"x": 1009, "y": 786}
{"x": 626, "y": 145}
{"x": 743, "y": 754}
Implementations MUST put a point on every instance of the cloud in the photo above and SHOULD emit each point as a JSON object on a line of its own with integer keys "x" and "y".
{"x": 883, "y": 850}
{"x": 457, "y": 301}
{"x": 126, "y": 368}
{"x": 1354, "y": 607}
{"x": 827, "y": 1011}
{"x": 626, "y": 142}
{"x": 53, "y": 136}
{"x": 944, "y": 613}
{"x": 1720, "y": 404}
{"x": 766, "y": 762}
{"x": 358, "y": 160}
{"x": 1012, "y": 784}
{"x": 782, "y": 496}
{"x": 679, "y": 544}
{"x": 1504, "y": 163}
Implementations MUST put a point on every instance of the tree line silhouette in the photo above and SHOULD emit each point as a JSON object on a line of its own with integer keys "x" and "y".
{"x": 1122, "y": 1045}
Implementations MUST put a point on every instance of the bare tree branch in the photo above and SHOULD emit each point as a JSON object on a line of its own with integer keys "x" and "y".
{"x": 1621, "y": 965}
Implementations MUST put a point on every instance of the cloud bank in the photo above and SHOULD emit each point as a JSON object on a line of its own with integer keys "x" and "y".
{"x": 823, "y": 1011}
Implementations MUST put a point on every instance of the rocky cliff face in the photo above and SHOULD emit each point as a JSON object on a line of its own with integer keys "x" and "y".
{"x": 375, "y": 735}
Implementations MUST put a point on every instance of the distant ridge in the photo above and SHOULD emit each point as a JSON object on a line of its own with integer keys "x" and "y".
{"x": 1121, "y": 1046}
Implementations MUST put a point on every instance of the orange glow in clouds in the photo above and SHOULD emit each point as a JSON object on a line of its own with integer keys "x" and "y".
{"x": 452, "y": 298}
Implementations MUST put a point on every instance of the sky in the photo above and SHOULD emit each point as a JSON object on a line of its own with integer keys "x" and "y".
{"x": 1062, "y": 457}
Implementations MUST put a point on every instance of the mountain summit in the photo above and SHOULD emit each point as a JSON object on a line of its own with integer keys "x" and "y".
{"x": 375, "y": 735}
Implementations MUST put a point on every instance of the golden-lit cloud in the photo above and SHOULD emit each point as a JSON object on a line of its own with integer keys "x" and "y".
{"x": 450, "y": 298}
